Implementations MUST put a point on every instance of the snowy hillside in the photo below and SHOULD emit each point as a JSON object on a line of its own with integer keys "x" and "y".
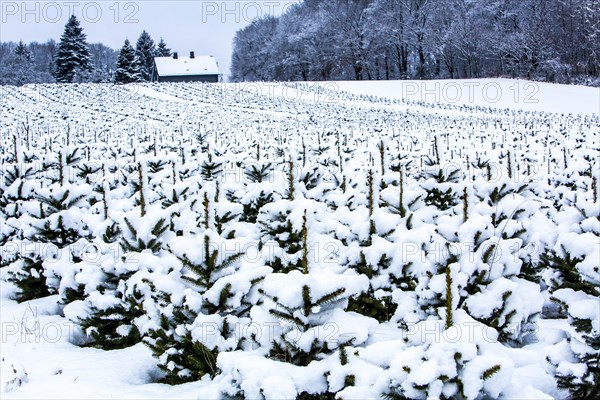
{"x": 497, "y": 93}
{"x": 300, "y": 240}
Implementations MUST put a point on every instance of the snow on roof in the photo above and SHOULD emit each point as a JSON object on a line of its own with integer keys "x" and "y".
{"x": 181, "y": 66}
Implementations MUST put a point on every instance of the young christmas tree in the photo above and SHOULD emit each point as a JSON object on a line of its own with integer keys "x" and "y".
{"x": 304, "y": 310}
{"x": 60, "y": 224}
{"x": 212, "y": 301}
{"x": 27, "y": 273}
{"x": 447, "y": 364}
{"x": 497, "y": 286}
{"x": 116, "y": 302}
{"x": 72, "y": 54}
{"x": 577, "y": 294}
{"x": 257, "y": 191}
{"x": 574, "y": 283}
{"x": 370, "y": 257}
{"x": 440, "y": 183}
{"x": 114, "y": 306}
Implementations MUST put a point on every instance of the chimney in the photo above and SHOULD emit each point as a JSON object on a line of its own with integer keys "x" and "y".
{"x": 192, "y": 54}
{"x": 175, "y": 55}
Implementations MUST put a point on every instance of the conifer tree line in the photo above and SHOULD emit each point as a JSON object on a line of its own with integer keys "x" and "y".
{"x": 548, "y": 40}
{"x": 73, "y": 60}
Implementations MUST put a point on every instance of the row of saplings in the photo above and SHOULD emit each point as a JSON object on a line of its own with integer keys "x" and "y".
{"x": 178, "y": 307}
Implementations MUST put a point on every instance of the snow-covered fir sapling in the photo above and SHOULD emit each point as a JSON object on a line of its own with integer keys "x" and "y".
{"x": 339, "y": 151}
{"x": 437, "y": 179}
{"x": 210, "y": 169}
{"x": 310, "y": 178}
{"x": 61, "y": 224}
{"x": 436, "y": 150}
{"x": 182, "y": 355}
{"x": 154, "y": 166}
{"x": 182, "y": 153}
{"x": 174, "y": 172}
{"x": 381, "y": 148}
{"x": 61, "y": 167}
{"x": 280, "y": 237}
{"x": 258, "y": 173}
{"x": 369, "y": 303}
{"x": 576, "y": 293}
{"x": 112, "y": 326}
{"x": 56, "y": 232}
{"x": 500, "y": 215}
{"x": 16, "y": 155}
{"x": 116, "y": 293}
{"x": 583, "y": 383}
{"x": 449, "y": 305}
{"x": 465, "y": 199}
{"x": 291, "y": 184}
{"x": 70, "y": 159}
{"x": 371, "y": 204}
{"x": 310, "y": 300}
{"x": 509, "y": 164}
{"x": 304, "y": 245}
{"x": 257, "y": 184}
{"x": 217, "y": 192}
{"x": 401, "y": 208}
{"x": 88, "y": 171}
{"x": 594, "y": 185}
{"x": 349, "y": 380}
{"x": 178, "y": 194}
{"x": 303, "y": 153}
{"x": 141, "y": 178}
{"x": 16, "y": 189}
{"x": 371, "y": 257}
{"x": 27, "y": 130}
{"x": 501, "y": 271}
{"x": 29, "y": 277}
{"x": 133, "y": 242}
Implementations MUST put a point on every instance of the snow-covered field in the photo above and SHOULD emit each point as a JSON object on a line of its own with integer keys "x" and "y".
{"x": 349, "y": 239}
{"x": 497, "y": 93}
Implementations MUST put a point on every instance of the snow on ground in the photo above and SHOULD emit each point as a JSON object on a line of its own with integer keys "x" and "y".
{"x": 497, "y": 93}
{"x": 149, "y": 92}
{"x": 40, "y": 344}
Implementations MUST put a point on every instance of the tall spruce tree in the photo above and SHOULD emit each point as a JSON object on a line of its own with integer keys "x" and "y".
{"x": 73, "y": 54}
{"x": 145, "y": 49}
{"x": 128, "y": 67}
{"x": 162, "y": 50}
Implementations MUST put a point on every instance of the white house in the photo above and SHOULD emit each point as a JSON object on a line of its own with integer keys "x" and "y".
{"x": 186, "y": 69}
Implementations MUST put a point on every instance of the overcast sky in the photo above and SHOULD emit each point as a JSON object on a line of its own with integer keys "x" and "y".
{"x": 206, "y": 27}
